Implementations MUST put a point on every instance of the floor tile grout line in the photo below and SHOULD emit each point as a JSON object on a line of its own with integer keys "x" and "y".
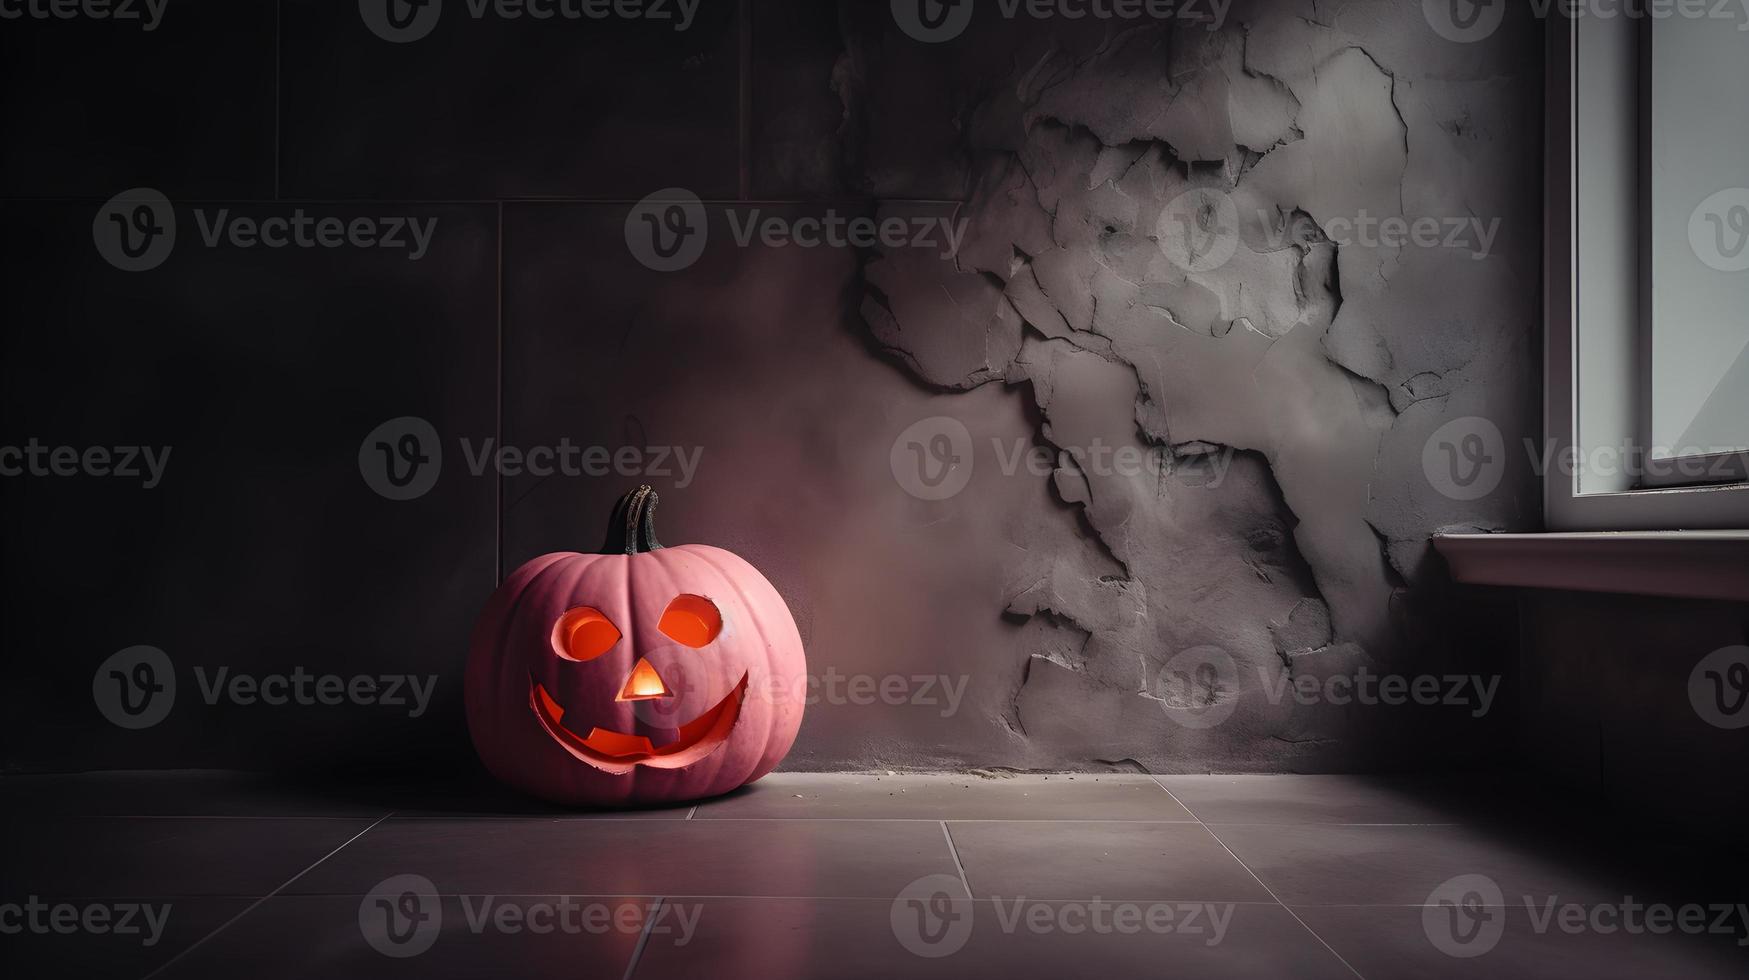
{"x": 738, "y": 896}
{"x": 1286, "y": 907}
{"x": 1260, "y": 883}
{"x": 592, "y": 818}
{"x": 644, "y": 936}
{"x": 233, "y": 920}
{"x": 692, "y": 815}
{"x": 824, "y": 819}
{"x": 1329, "y": 823}
{"x": 954, "y": 852}
{"x": 1174, "y": 798}
{"x": 202, "y": 816}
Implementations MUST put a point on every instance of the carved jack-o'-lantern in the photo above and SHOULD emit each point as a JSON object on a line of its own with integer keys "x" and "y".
{"x": 638, "y": 675}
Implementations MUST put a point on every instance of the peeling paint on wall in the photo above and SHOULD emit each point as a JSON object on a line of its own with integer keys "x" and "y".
{"x": 1185, "y": 243}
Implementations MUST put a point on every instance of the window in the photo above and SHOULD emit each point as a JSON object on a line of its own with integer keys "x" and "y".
{"x": 1648, "y": 273}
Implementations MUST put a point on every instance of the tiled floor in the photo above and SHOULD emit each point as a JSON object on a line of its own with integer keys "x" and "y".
{"x": 209, "y": 875}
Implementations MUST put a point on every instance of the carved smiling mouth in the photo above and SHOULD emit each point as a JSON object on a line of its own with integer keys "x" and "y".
{"x": 618, "y": 752}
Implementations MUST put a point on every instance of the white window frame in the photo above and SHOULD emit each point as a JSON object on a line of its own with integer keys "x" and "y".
{"x": 1597, "y": 349}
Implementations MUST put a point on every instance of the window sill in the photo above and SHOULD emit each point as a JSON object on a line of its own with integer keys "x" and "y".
{"x": 1687, "y": 564}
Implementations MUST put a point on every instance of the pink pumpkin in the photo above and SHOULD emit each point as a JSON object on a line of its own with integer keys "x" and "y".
{"x": 638, "y": 675}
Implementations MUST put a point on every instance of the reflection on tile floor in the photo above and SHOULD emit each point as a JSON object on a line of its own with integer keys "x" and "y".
{"x": 803, "y": 875}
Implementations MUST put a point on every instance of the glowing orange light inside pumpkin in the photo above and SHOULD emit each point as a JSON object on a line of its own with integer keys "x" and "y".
{"x": 583, "y": 634}
{"x": 692, "y": 620}
{"x": 644, "y": 684}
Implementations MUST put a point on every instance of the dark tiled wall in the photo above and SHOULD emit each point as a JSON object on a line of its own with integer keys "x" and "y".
{"x": 256, "y": 373}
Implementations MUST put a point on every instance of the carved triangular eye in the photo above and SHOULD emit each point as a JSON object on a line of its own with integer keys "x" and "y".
{"x": 692, "y": 620}
{"x": 584, "y": 633}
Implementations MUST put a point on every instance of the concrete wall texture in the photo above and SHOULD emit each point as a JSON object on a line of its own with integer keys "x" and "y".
{"x": 1120, "y": 448}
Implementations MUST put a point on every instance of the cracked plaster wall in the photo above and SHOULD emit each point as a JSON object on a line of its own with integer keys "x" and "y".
{"x": 1318, "y": 363}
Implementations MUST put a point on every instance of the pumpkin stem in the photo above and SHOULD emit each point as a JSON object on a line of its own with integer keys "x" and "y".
{"x": 632, "y": 529}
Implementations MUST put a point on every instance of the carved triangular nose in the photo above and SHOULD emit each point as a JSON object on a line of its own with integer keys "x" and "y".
{"x": 644, "y": 684}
